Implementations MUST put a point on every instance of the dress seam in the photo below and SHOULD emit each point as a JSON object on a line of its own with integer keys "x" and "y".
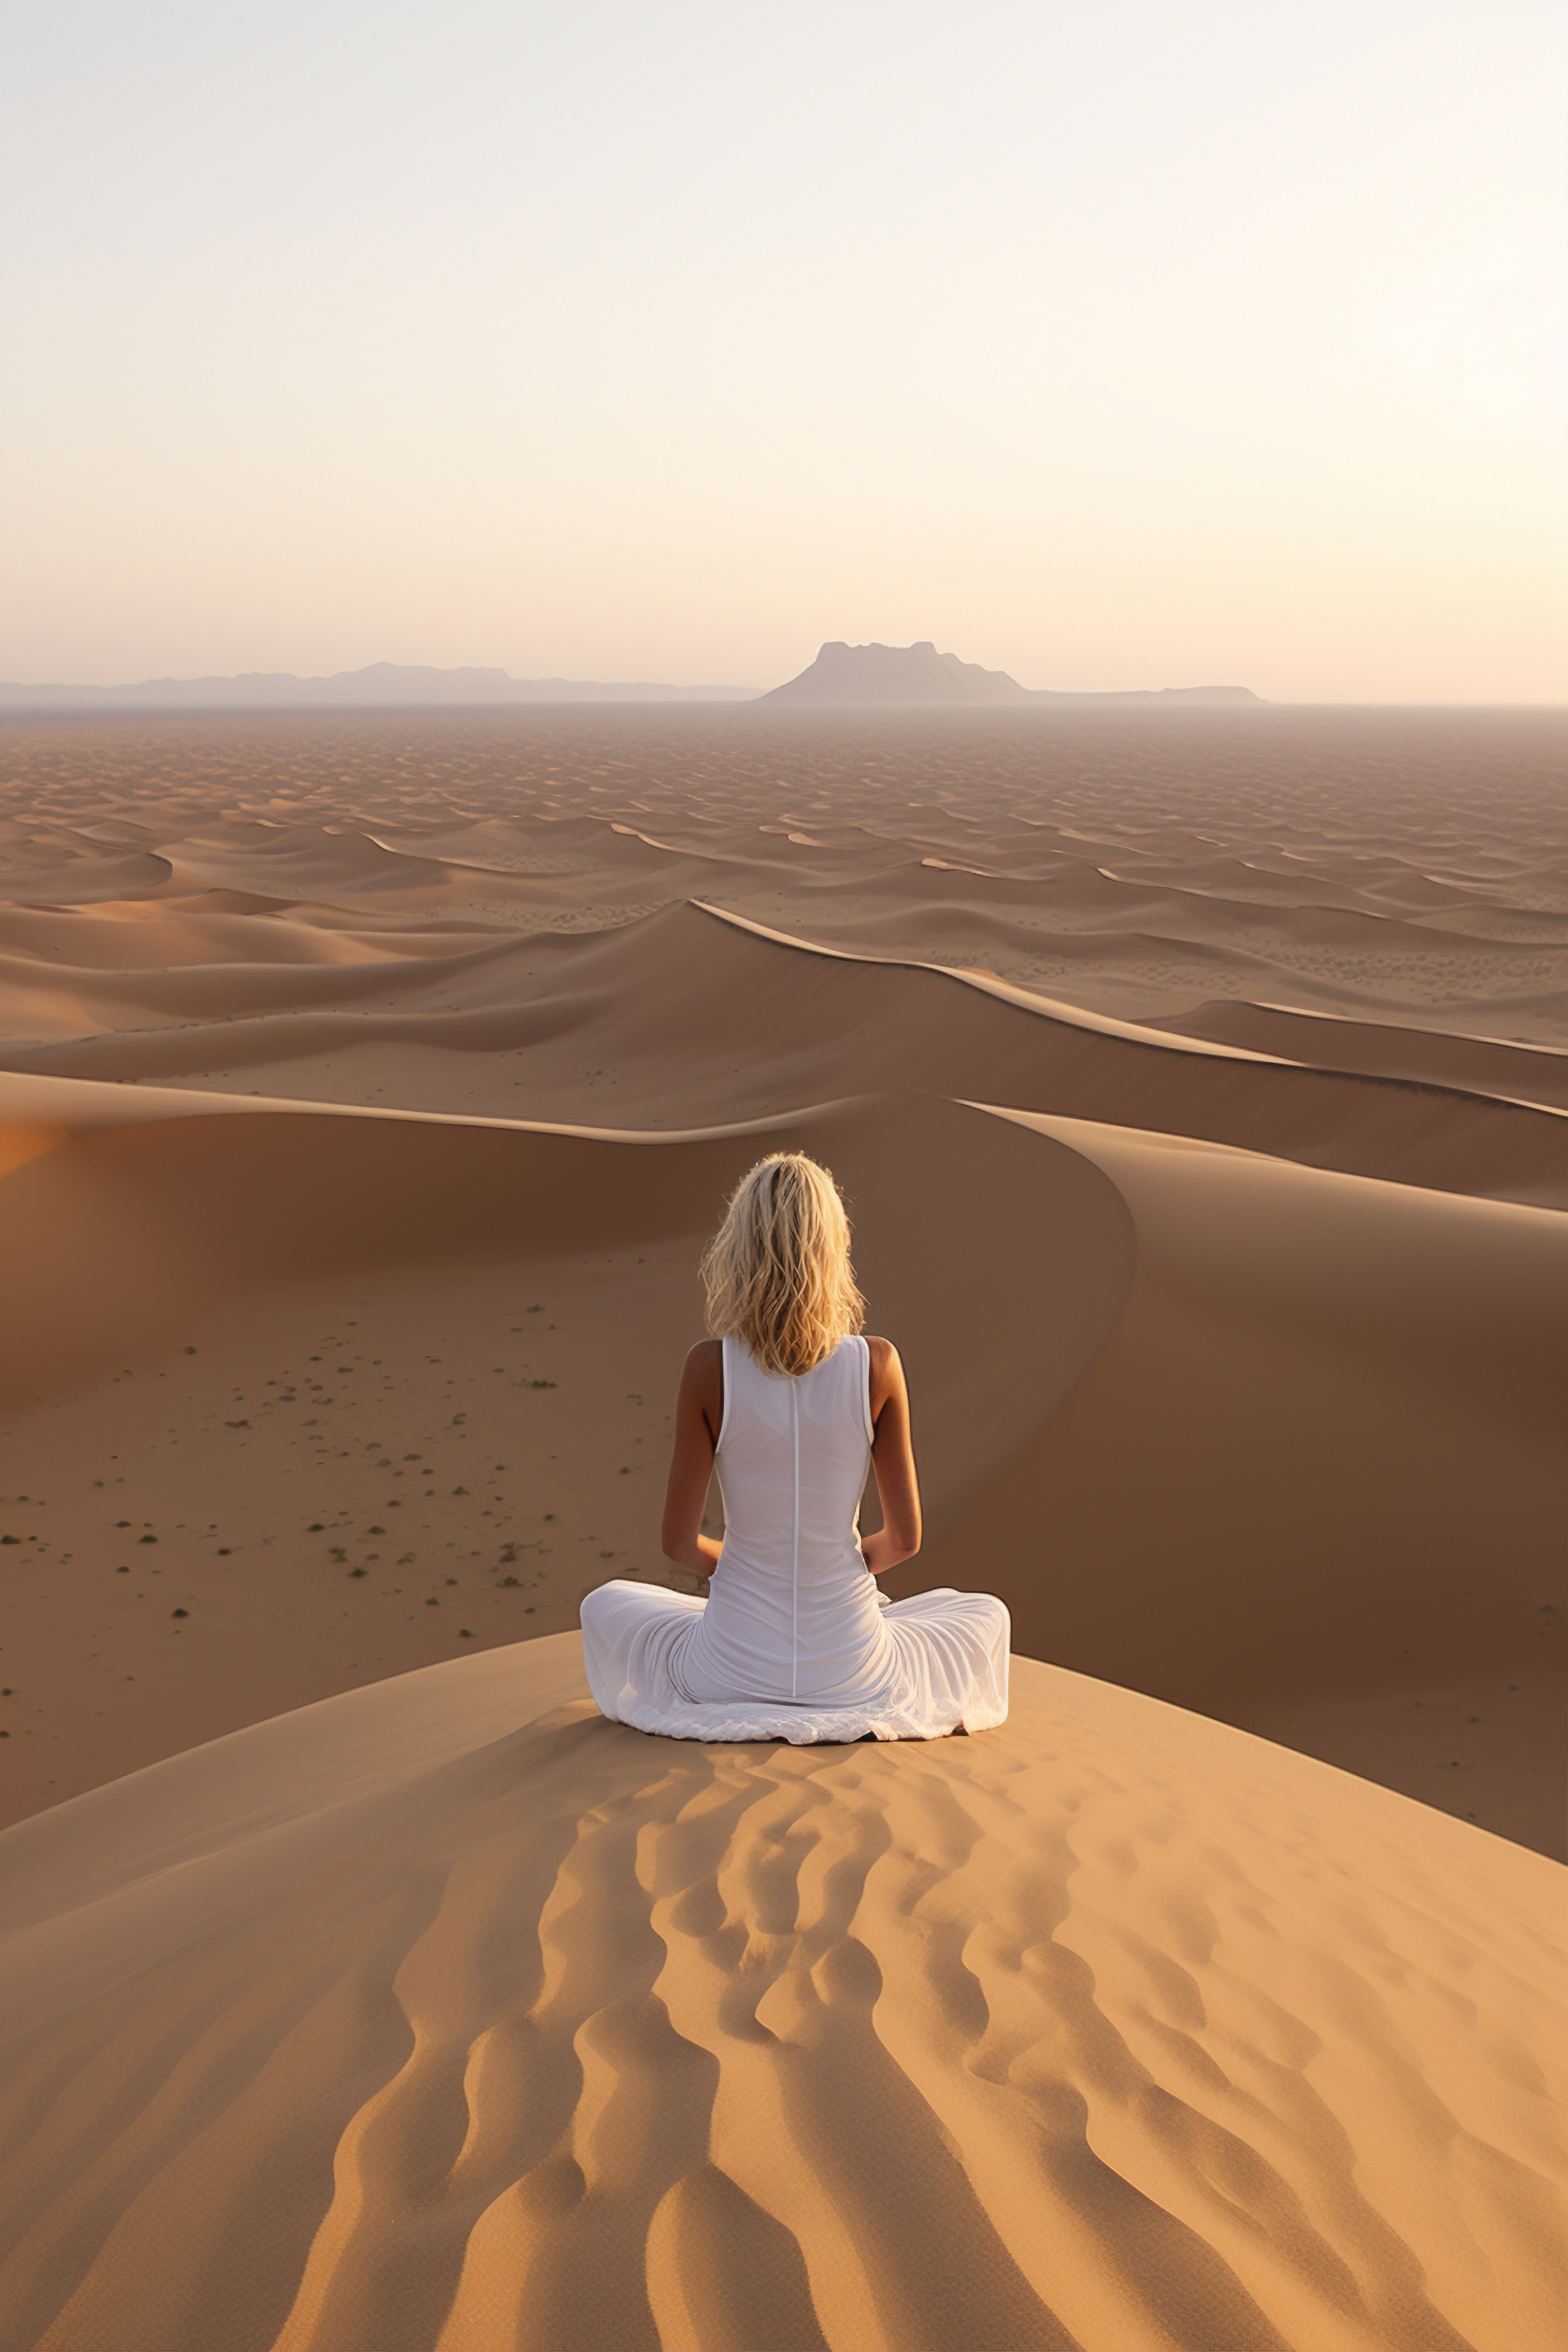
{"x": 795, "y": 1562}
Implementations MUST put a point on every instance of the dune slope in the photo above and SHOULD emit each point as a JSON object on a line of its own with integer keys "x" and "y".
{"x": 655, "y": 1023}
{"x": 447, "y": 2013}
{"x": 1268, "y": 1440}
{"x": 337, "y": 1385}
{"x": 1320, "y": 1460}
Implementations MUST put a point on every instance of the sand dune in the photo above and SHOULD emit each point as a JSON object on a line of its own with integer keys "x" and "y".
{"x": 1335, "y": 1412}
{"x": 1513, "y": 1073}
{"x": 419, "y": 1247}
{"x": 84, "y": 878}
{"x": 1143, "y": 1366}
{"x": 661, "y": 1019}
{"x": 368, "y": 1086}
{"x": 448, "y": 2014}
{"x": 609, "y": 924}
{"x": 1378, "y": 864}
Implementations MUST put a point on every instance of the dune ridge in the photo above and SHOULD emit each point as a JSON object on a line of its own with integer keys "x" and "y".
{"x": 661, "y": 1012}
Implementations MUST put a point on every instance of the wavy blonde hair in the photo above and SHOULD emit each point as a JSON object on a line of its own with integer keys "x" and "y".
{"x": 777, "y": 1272}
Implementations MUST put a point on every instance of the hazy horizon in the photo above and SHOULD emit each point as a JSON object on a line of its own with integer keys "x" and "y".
{"x": 1109, "y": 348}
{"x": 601, "y": 694}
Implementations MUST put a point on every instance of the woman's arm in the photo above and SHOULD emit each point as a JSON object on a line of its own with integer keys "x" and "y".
{"x": 893, "y": 1459}
{"x": 698, "y": 1410}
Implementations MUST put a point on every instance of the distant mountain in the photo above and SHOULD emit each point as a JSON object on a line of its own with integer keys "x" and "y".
{"x": 919, "y": 677}
{"x": 909, "y": 675}
{"x": 384, "y": 686}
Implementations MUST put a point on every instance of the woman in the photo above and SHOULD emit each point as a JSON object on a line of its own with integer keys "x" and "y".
{"x": 789, "y": 1403}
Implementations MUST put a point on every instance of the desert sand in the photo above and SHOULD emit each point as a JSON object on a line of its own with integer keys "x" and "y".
{"x": 444, "y": 2014}
{"x": 368, "y": 1086}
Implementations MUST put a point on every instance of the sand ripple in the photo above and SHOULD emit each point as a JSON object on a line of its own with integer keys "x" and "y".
{"x": 1116, "y": 2028}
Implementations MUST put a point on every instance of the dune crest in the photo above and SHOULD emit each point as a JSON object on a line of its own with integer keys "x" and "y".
{"x": 660, "y": 1011}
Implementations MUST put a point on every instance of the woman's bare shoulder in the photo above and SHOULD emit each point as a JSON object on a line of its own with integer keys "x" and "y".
{"x": 884, "y": 1382}
{"x": 702, "y": 1382}
{"x": 703, "y": 1369}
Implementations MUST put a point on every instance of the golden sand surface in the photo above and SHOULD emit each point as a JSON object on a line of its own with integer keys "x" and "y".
{"x": 446, "y": 2014}
{"x": 368, "y": 1086}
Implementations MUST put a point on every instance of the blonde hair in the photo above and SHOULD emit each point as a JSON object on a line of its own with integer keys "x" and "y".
{"x": 777, "y": 1272}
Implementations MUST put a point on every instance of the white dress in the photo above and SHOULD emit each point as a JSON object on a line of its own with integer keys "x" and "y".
{"x": 794, "y": 1641}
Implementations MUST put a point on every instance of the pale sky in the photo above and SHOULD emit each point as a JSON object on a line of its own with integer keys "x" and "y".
{"x": 1117, "y": 344}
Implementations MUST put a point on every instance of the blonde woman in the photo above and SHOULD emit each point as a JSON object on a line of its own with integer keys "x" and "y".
{"x": 789, "y": 1403}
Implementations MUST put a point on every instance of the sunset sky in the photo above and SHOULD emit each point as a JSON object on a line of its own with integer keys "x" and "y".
{"x": 1112, "y": 343}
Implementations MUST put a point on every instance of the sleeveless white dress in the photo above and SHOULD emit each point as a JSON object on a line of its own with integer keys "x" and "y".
{"x": 794, "y": 1641}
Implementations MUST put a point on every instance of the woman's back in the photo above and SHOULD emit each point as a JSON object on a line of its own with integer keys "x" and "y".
{"x": 792, "y": 1459}
{"x": 792, "y": 1612}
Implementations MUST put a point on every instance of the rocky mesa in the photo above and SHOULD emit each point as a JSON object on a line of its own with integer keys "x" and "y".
{"x": 913, "y": 677}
